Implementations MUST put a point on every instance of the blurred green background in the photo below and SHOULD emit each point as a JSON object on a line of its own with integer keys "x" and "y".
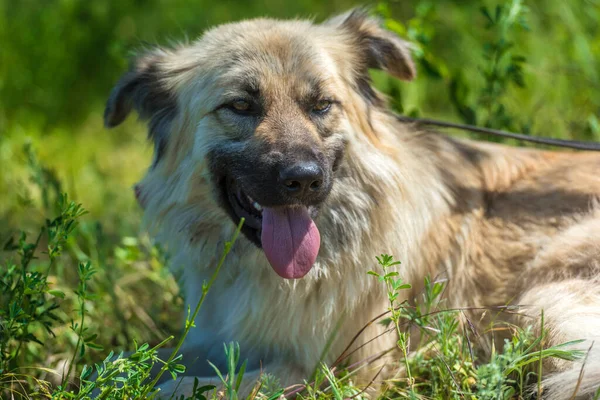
{"x": 533, "y": 67}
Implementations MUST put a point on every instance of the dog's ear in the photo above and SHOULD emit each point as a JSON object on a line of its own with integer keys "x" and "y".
{"x": 144, "y": 88}
{"x": 381, "y": 48}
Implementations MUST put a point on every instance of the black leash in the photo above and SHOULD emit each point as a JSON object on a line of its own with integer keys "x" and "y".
{"x": 572, "y": 144}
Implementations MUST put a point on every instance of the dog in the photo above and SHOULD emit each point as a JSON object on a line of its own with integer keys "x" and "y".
{"x": 277, "y": 122}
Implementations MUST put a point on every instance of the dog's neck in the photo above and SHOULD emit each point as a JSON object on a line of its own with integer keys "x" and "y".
{"x": 444, "y": 184}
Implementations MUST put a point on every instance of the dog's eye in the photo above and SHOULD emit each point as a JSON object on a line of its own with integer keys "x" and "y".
{"x": 322, "y": 106}
{"x": 241, "y": 106}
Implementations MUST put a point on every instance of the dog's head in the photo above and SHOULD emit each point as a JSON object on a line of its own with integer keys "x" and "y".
{"x": 255, "y": 116}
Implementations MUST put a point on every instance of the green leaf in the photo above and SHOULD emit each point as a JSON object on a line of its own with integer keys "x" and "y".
{"x": 178, "y": 368}
{"x": 333, "y": 382}
{"x": 240, "y": 375}
{"x": 90, "y": 338}
{"x": 86, "y": 372}
{"x": 279, "y": 393}
{"x": 94, "y": 346}
{"x": 437, "y": 289}
{"x": 217, "y": 371}
{"x": 205, "y": 388}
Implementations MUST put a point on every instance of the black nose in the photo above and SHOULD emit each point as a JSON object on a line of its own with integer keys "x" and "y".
{"x": 302, "y": 179}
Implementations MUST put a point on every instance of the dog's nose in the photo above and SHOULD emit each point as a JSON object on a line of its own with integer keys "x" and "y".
{"x": 302, "y": 178}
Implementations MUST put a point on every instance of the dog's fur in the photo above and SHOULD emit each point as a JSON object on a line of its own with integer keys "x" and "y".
{"x": 505, "y": 225}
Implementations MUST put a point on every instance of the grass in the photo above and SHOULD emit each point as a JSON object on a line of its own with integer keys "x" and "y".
{"x": 72, "y": 282}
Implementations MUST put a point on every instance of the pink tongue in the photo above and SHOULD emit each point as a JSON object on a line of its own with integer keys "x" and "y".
{"x": 290, "y": 240}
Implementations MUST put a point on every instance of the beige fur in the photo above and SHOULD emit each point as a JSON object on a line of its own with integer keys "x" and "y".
{"x": 505, "y": 225}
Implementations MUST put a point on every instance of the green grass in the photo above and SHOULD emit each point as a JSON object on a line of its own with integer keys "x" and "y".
{"x": 73, "y": 283}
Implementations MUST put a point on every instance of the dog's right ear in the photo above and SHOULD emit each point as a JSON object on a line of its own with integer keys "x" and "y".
{"x": 146, "y": 89}
{"x": 143, "y": 88}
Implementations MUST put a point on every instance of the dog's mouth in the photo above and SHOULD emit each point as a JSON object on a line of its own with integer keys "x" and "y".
{"x": 287, "y": 234}
{"x": 244, "y": 206}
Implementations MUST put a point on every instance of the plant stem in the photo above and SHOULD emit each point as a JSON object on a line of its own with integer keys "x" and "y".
{"x": 79, "y": 335}
{"x": 401, "y": 335}
{"x": 539, "y": 375}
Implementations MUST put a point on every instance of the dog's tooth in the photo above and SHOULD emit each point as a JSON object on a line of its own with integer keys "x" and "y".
{"x": 257, "y": 206}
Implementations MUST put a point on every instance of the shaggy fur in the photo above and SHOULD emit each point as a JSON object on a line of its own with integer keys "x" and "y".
{"x": 505, "y": 225}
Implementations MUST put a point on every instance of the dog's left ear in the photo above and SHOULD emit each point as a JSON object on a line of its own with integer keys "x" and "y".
{"x": 382, "y": 49}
